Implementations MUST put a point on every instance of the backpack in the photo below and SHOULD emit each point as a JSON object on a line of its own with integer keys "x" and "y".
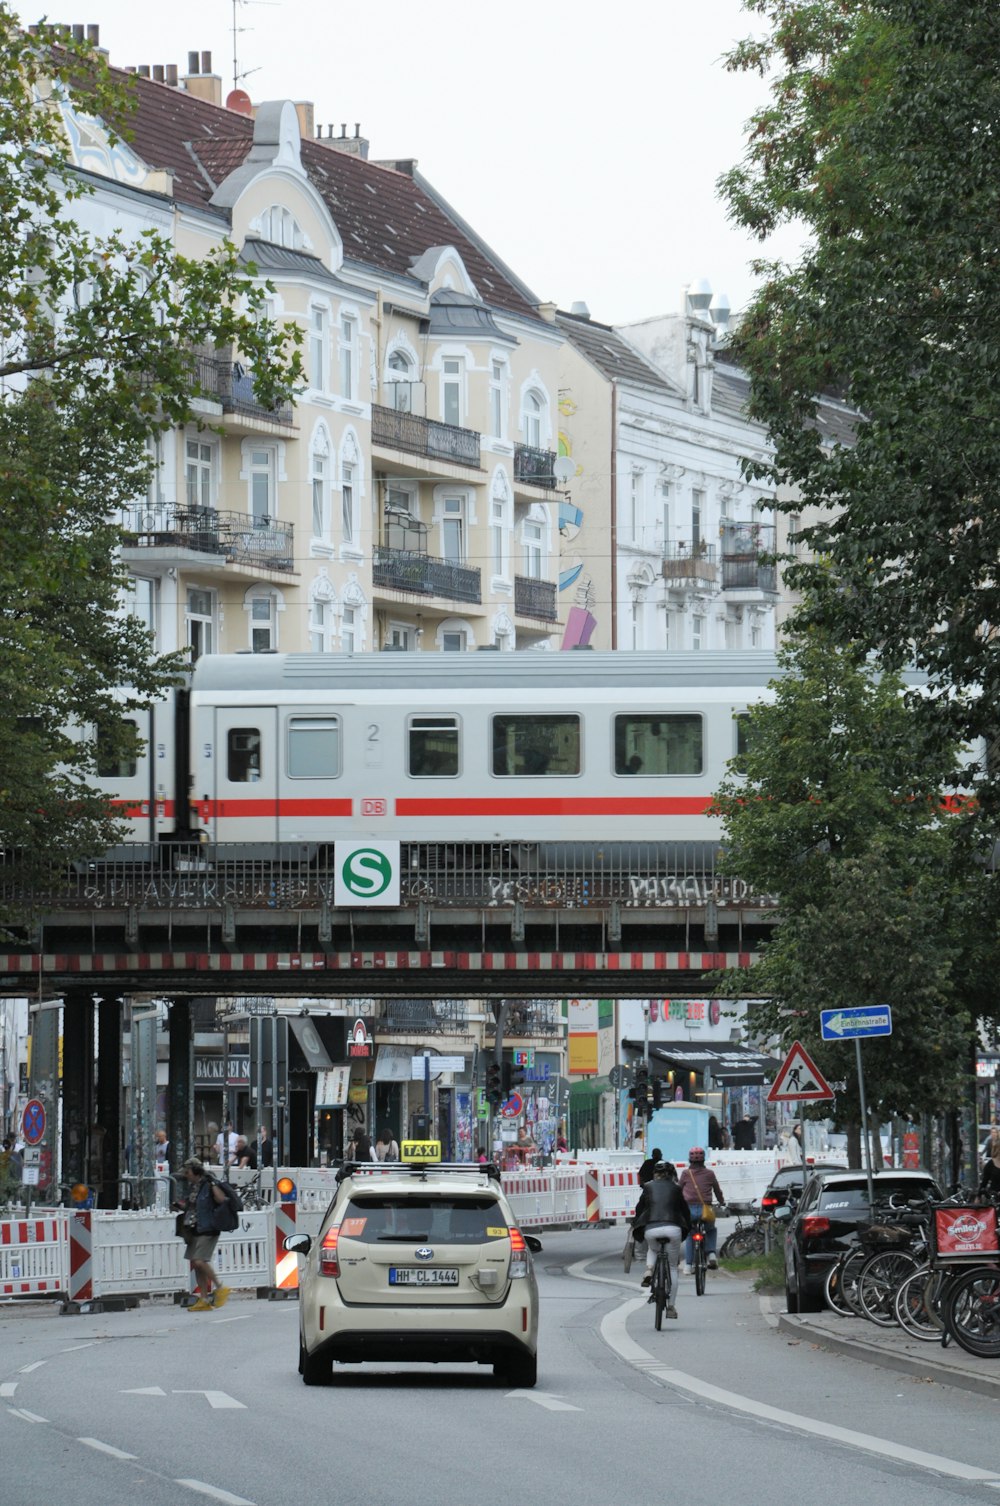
{"x": 226, "y": 1216}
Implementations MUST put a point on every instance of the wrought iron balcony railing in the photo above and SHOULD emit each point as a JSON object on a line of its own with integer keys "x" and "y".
{"x": 233, "y": 537}
{"x": 407, "y": 570}
{"x": 424, "y": 436}
{"x": 690, "y": 561}
{"x": 534, "y": 467}
{"x": 535, "y": 598}
{"x": 748, "y": 557}
{"x": 231, "y": 384}
{"x": 422, "y": 1017}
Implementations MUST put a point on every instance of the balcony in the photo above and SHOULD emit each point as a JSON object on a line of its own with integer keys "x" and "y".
{"x": 231, "y": 384}
{"x": 422, "y": 1017}
{"x": 746, "y": 565}
{"x": 535, "y": 598}
{"x": 395, "y": 430}
{"x": 235, "y": 538}
{"x": 534, "y": 467}
{"x": 533, "y": 1017}
{"x": 409, "y": 570}
{"x": 684, "y": 563}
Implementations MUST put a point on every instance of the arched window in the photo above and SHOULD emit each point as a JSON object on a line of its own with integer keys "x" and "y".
{"x": 351, "y": 492}
{"x": 400, "y": 381}
{"x": 322, "y": 602}
{"x": 534, "y": 413}
{"x": 320, "y": 476}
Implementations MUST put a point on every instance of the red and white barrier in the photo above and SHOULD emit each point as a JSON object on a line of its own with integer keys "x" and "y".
{"x": 33, "y": 1256}
{"x": 286, "y": 1266}
{"x": 81, "y": 1257}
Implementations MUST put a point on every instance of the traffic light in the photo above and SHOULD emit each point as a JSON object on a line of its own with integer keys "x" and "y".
{"x": 494, "y": 1080}
{"x": 513, "y": 1077}
{"x": 641, "y": 1086}
{"x": 658, "y": 1087}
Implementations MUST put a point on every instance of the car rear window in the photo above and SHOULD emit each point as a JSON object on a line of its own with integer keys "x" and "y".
{"x": 457, "y": 1220}
{"x": 854, "y": 1195}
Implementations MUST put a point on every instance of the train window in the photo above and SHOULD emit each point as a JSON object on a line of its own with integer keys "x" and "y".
{"x": 654, "y": 744}
{"x": 529, "y": 746}
{"x": 110, "y": 762}
{"x": 243, "y": 755}
{"x": 432, "y": 750}
{"x": 313, "y": 747}
{"x": 741, "y": 721}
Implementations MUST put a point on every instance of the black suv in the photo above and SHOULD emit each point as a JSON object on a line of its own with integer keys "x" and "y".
{"x": 832, "y": 1208}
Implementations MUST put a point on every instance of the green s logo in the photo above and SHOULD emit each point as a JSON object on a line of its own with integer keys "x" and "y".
{"x": 367, "y": 873}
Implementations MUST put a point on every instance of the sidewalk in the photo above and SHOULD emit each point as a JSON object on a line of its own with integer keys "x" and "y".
{"x": 892, "y": 1348}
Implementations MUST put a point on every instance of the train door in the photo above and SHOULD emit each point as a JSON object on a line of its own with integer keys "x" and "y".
{"x": 245, "y": 755}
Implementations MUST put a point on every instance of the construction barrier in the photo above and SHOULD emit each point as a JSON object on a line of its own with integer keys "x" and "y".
{"x": 81, "y": 1257}
{"x": 33, "y": 1256}
{"x": 286, "y": 1266}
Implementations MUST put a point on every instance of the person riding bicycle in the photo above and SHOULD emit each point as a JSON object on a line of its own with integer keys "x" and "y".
{"x": 662, "y": 1213}
{"x": 697, "y": 1184}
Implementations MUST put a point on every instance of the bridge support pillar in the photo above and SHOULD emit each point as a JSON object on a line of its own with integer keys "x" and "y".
{"x": 108, "y": 1130}
{"x": 180, "y": 1094}
{"x": 78, "y": 1084}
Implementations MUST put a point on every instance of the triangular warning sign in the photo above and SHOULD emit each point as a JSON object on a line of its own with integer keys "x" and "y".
{"x": 799, "y": 1078}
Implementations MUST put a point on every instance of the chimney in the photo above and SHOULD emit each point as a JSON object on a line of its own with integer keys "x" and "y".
{"x": 172, "y": 75}
{"x": 201, "y": 81}
{"x": 158, "y": 73}
{"x": 94, "y": 36}
{"x": 143, "y": 70}
{"x": 78, "y": 32}
{"x": 580, "y": 310}
{"x": 354, "y": 146}
{"x": 306, "y": 111}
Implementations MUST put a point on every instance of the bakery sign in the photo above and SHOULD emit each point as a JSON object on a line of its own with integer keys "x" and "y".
{"x": 359, "y": 1040}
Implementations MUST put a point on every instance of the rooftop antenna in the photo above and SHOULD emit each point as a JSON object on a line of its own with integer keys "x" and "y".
{"x": 237, "y": 31}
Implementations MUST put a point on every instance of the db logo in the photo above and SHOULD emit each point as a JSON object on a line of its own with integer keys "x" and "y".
{"x": 373, "y": 807}
{"x": 367, "y": 872}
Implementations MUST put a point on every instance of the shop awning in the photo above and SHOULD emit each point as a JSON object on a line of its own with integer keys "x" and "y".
{"x": 729, "y": 1065}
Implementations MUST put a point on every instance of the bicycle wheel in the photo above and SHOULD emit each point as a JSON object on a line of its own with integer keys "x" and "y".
{"x": 736, "y": 1246}
{"x": 840, "y": 1289}
{"x": 700, "y": 1266}
{"x": 917, "y": 1300}
{"x": 880, "y": 1279}
{"x": 659, "y": 1290}
{"x": 972, "y": 1311}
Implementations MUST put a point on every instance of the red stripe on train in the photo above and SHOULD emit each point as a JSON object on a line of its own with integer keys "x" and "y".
{"x": 583, "y": 805}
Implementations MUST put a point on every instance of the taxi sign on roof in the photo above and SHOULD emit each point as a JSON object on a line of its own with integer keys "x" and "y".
{"x": 428, "y": 1151}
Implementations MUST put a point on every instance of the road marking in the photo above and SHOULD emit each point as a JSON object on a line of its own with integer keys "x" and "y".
{"x": 217, "y": 1399}
{"x": 27, "y": 1369}
{"x": 239, "y": 1318}
{"x": 74, "y": 1347}
{"x": 143, "y": 1391}
{"x": 106, "y": 1448}
{"x": 8, "y": 1388}
{"x": 543, "y": 1399}
{"x": 615, "y": 1335}
{"x": 27, "y": 1416}
{"x": 217, "y": 1495}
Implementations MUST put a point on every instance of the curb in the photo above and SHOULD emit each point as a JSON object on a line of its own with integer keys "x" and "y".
{"x": 932, "y": 1368}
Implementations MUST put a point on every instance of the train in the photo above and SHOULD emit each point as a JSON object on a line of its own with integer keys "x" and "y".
{"x": 569, "y": 752}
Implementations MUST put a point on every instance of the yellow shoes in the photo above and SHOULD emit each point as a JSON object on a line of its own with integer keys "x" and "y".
{"x": 201, "y": 1306}
{"x": 220, "y": 1296}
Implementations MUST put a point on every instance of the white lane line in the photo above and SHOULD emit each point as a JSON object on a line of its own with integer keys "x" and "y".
{"x": 7, "y": 1388}
{"x": 239, "y": 1318}
{"x": 27, "y": 1369}
{"x": 545, "y": 1399}
{"x": 225, "y": 1496}
{"x": 143, "y": 1391}
{"x": 106, "y": 1448}
{"x": 615, "y": 1335}
{"x": 217, "y": 1399}
{"x": 27, "y": 1416}
{"x": 74, "y": 1347}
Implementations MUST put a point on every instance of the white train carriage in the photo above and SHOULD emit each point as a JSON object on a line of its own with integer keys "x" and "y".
{"x": 301, "y": 750}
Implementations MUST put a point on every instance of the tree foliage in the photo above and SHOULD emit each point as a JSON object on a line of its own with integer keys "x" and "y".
{"x": 835, "y": 809}
{"x": 98, "y": 342}
{"x": 880, "y": 137}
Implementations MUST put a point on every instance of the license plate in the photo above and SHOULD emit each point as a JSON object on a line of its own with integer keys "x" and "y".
{"x": 408, "y": 1275}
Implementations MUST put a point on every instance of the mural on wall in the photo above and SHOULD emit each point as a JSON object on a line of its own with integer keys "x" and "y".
{"x": 580, "y": 619}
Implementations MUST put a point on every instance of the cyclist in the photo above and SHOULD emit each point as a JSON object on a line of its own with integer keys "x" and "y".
{"x": 697, "y": 1184}
{"x": 662, "y": 1213}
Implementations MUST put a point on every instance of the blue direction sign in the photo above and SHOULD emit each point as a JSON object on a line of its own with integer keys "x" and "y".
{"x": 848, "y": 1024}
{"x": 33, "y": 1122}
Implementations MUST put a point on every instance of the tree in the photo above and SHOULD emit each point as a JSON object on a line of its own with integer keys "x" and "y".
{"x": 835, "y": 808}
{"x": 98, "y": 345}
{"x": 880, "y": 139}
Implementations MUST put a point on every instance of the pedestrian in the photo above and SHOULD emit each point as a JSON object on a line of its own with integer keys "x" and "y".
{"x": 265, "y": 1147}
{"x": 246, "y": 1155}
{"x": 481, "y": 1154}
{"x": 225, "y": 1145}
{"x": 196, "y": 1226}
{"x": 698, "y": 1184}
{"x": 360, "y": 1148}
{"x": 989, "y": 1177}
{"x": 386, "y": 1148}
{"x": 648, "y": 1167}
{"x": 161, "y": 1146}
{"x": 714, "y": 1133}
{"x": 744, "y": 1134}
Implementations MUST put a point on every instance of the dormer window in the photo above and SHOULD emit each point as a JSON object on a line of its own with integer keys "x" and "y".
{"x": 280, "y": 227}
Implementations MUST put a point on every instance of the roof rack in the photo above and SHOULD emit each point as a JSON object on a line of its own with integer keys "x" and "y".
{"x": 418, "y": 1169}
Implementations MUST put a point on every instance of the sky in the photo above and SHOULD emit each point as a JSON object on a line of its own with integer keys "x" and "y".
{"x": 583, "y": 142}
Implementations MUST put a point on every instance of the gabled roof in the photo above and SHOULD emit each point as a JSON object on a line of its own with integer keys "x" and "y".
{"x": 386, "y": 218}
{"x": 613, "y": 356}
{"x": 836, "y": 421}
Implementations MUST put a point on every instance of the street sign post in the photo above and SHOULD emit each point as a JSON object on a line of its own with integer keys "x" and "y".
{"x": 849, "y": 1024}
{"x": 852, "y": 1024}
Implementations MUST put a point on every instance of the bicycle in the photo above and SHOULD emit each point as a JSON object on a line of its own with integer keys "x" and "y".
{"x": 748, "y": 1237}
{"x": 661, "y": 1285}
{"x": 699, "y": 1258}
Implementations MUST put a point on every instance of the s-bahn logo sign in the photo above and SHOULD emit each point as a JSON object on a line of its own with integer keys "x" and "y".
{"x": 366, "y": 873}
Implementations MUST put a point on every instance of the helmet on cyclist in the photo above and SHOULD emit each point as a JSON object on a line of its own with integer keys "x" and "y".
{"x": 696, "y": 1153}
{"x": 663, "y": 1169}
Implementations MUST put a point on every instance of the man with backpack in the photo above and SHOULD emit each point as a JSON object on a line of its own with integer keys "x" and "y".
{"x": 205, "y": 1213}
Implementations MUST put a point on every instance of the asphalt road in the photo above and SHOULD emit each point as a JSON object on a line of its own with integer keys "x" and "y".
{"x": 158, "y": 1405}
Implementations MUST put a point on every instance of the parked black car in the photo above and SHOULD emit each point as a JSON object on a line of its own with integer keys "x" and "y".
{"x": 786, "y": 1185}
{"x": 832, "y": 1208}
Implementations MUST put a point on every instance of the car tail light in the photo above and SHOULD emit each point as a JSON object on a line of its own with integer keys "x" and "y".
{"x": 329, "y": 1265}
{"x": 518, "y": 1254}
{"x": 813, "y": 1226}
{"x": 770, "y": 1202}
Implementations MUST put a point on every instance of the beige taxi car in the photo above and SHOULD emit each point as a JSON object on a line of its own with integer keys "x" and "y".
{"x": 418, "y": 1261}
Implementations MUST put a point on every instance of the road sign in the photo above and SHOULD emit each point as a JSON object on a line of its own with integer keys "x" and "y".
{"x": 366, "y": 873}
{"x": 799, "y": 1079}
{"x": 512, "y": 1106}
{"x": 621, "y": 1076}
{"x": 438, "y": 1064}
{"x": 848, "y": 1024}
{"x": 33, "y": 1121}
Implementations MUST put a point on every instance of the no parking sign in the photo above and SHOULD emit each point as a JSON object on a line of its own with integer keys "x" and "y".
{"x": 33, "y": 1122}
